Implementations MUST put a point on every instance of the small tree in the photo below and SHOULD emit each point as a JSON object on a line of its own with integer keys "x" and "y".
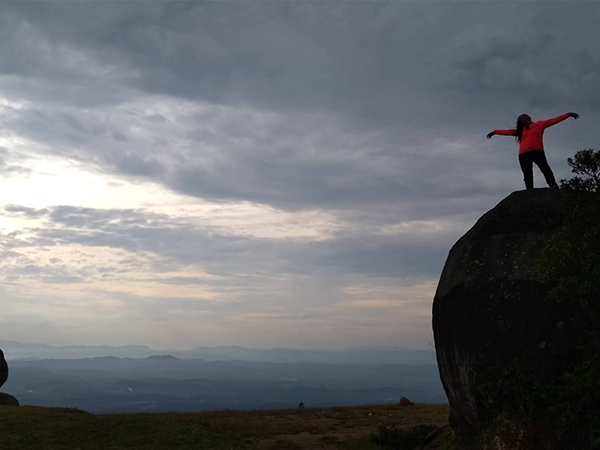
{"x": 585, "y": 163}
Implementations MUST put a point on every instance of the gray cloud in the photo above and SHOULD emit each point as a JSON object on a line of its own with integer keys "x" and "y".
{"x": 397, "y": 71}
{"x": 8, "y": 169}
{"x": 47, "y": 274}
{"x": 24, "y": 211}
{"x": 372, "y": 112}
{"x": 224, "y": 254}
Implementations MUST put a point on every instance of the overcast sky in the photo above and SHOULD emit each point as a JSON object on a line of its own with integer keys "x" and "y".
{"x": 265, "y": 174}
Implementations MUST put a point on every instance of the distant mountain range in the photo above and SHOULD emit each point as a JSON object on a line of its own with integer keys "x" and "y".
{"x": 16, "y": 350}
{"x": 166, "y": 383}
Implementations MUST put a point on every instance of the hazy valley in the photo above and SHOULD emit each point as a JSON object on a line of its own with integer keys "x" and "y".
{"x": 110, "y": 384}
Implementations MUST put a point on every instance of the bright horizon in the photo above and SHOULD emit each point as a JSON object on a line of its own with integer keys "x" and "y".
{"x": 265, "y": 174}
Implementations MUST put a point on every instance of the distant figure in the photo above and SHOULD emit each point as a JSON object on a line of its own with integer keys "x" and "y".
{"x": 529, "y": 135}
{"x": 3, "y": 369}
{"x": 301, "y": 405}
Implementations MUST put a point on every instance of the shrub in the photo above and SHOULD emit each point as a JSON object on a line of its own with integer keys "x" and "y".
{"x": 403, "y": 438}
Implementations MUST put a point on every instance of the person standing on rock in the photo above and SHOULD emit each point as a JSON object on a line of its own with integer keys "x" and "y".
{"x": 3, "y": 369}
{"x": 529, "y": 135}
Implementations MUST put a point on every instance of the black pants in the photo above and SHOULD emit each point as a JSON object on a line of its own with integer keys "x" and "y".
{"x": 538, "y": 157}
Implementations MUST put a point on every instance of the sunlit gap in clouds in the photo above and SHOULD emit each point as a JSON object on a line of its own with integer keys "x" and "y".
{"x": 61, "y": 276}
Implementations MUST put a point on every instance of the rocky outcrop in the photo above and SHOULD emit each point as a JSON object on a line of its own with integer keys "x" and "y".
{"x": 405, "y": 402}
{"x": 5, "y": 399}
{"x": 3, "y": 369}
{"x": 497, "y": 336}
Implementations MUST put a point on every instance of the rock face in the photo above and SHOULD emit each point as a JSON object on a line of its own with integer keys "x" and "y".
{"x": 3, "y": 369}
{"x": 5, "y": 399}
{"x": 405, "y": 402}
{"x": 495, "y": 330}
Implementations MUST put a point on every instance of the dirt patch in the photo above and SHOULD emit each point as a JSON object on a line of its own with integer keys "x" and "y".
{"x": 326, "y": 428}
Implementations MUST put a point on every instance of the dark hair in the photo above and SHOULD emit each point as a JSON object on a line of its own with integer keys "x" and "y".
{"x": 520, "y": 126}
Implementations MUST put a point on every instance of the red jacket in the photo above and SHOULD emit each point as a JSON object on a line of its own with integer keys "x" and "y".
{"x": 532, "y": 136}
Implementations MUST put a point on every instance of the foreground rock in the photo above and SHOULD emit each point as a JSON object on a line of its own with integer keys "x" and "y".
{"x": 497, "y": 336}
{"x": 3, "y": 369}
{"x": 5, "y": 399}
{"x": 405, "y": 402}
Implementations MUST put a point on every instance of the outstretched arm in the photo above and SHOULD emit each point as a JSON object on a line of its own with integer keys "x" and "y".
{"x": 555, "y": 120}
{"x": 511, "y": 132}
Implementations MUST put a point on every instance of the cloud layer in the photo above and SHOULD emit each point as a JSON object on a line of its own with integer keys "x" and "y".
{"x": 265, "y": 173}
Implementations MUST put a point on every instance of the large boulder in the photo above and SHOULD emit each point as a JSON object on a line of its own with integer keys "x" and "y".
{"x": 8, "y": 400}
{"x": 498, "y": 337}
{"x": 3, "y": 369}
{"x": 5, "y": 399}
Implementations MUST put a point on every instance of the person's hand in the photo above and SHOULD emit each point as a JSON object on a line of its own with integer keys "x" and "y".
{"x": 574, "y": 115}
{"x": 490, "y": 134}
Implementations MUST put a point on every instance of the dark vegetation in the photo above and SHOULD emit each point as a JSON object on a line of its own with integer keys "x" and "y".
{"x": 572, "y": 260}
{"x": 32, "y": 428}
{"x": 403, "y": 438}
